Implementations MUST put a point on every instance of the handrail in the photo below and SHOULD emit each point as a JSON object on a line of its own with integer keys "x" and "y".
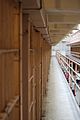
{"x": 71, "y": 69}
{"x": 73, "y": 79}
{"x": 77, "y": 56}
{"x": 69, "y": 59}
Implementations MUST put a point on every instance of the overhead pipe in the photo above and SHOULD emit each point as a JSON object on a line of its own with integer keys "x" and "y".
{"x": 44, "y": 27}
{"x": 34, "y": 8}
{"x": 41, "y": 27}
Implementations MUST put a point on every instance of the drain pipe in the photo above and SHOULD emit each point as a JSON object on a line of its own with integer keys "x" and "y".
{"x": 34, "y": 8}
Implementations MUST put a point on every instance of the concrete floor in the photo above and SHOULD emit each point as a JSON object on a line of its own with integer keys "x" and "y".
{"x": 59, "y": 103}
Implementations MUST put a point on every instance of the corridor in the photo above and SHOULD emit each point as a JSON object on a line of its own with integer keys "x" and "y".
{"x": 59, "y": 103}
{"x": 30, "y": 31}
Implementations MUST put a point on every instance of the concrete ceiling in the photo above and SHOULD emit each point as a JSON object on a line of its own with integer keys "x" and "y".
{"x": 62, "y": 15}
{"x": 56, "y": 17}
{"x": 37, "y": 14}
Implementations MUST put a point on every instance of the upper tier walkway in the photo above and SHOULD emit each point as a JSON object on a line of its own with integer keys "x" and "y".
{"x": 59, "y": 103}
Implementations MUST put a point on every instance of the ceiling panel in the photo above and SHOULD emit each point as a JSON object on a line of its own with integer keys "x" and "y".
{"x": 59, "y": 16}
{"x": 60, "y": 26}
{"x": 62, "y": 16}
{"x": 62, "y": 4}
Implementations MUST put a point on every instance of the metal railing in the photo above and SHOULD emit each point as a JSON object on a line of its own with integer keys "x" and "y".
{"x": 65, "y": 62}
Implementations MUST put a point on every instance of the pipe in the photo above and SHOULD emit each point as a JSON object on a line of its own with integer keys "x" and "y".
{"x": 34, "y": 8}
{"x": 43, "y": 27}
{"x": 40, "y": 27}
{"x": 45, "y": 34}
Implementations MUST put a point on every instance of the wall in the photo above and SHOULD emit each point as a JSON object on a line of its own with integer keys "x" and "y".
{"x": 24, "y": 65}
{"x": 35, "y": 66}
{"x": 9, "y": 60}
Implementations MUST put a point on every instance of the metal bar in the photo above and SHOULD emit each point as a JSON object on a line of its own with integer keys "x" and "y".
{"x": 9, "y": 108}
{"x": 11, "y": 105}
{"x": 71, "y": 69}
{"x": 8, "y": 50}
{"x": 70, "y": 59}
{"x": 72, "y": 77}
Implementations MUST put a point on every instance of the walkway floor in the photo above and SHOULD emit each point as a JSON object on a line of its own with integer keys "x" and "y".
{"x": 59, "y": 103}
